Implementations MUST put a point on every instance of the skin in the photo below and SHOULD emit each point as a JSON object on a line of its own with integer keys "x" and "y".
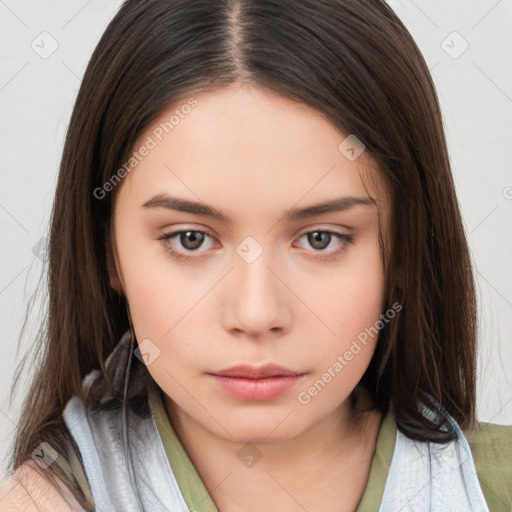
{"x": 254, "y": 155}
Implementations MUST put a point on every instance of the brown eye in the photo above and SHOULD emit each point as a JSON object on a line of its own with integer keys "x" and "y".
{"x": 191, "y": 240}
{"x": 320, "y": 240}
{"x": 185, "y": 243}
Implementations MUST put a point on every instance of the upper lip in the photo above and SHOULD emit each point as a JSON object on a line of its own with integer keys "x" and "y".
{"x": 253, "y": 372}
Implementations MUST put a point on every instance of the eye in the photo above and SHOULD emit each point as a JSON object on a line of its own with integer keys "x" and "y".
{"x": 189, "y": 240}
{"x": 322, "y": 239}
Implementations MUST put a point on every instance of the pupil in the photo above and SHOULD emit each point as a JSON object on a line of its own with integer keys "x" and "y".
{"x": 190, "y": 240}
{"x": 317, "y": 239}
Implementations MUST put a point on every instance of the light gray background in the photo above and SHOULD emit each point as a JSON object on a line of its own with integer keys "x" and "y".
{"x": 475, "y": 91}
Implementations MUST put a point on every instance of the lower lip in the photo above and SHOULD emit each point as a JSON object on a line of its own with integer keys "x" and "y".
{"x": 257, "y": 389}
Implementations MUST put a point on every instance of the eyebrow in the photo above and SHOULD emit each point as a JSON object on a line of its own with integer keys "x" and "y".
{"x": 184, "y": 205}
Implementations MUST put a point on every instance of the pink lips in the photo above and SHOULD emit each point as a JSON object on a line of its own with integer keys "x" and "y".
{"x": 256, "y": 383}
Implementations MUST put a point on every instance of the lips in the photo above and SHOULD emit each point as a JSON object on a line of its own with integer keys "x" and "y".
{"x": 256, "y": 383}
{"x": 252, "y": 372}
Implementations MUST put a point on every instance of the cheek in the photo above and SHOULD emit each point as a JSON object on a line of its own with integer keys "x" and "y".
{"x": 349, "y": 305}
{"x": 350, "y": 298}
{"x": 351, "y": 309}
{"x": 159, "y": 292}
{"x": 169, "y": 312}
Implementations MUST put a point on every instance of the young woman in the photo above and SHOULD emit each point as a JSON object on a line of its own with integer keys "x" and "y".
{"x": 260, "y": 292}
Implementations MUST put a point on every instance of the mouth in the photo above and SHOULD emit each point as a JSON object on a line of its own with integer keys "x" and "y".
{"x": 256, "y": 383}
{"x": 256, "y": 372}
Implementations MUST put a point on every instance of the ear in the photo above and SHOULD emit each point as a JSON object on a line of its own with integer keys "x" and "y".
{"x": 113, "y": 265}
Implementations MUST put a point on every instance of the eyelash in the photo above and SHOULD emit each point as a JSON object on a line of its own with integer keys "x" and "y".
{"x": 345, "y": 239}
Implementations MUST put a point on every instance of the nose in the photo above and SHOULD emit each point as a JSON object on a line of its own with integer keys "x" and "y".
{"x": 257, "y": 300}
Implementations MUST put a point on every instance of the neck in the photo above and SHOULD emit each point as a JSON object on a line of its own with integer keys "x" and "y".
{"x": 323, "y": 467}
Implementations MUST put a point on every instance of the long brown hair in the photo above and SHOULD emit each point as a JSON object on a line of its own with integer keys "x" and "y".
{"x": 353, "y": 61}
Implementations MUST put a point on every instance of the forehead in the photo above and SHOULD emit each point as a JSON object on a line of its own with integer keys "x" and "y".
{"x": 244, "y": 149}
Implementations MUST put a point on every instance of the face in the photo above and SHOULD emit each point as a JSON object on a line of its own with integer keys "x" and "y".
{"x": 251, "y": 274}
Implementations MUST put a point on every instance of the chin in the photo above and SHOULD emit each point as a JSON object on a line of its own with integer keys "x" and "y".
{"x": 258, "y": 427}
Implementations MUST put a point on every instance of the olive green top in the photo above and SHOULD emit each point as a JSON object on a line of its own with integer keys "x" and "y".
{"x": 491, "y": 447}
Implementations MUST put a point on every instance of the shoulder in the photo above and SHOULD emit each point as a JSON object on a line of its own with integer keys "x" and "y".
{"x": 491, "y": 448}
{"x": 29, "y": 490}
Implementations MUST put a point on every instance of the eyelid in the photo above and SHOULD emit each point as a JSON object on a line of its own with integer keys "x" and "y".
{"x": 342, "y": 230}
{"x": 183, "y": 227}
